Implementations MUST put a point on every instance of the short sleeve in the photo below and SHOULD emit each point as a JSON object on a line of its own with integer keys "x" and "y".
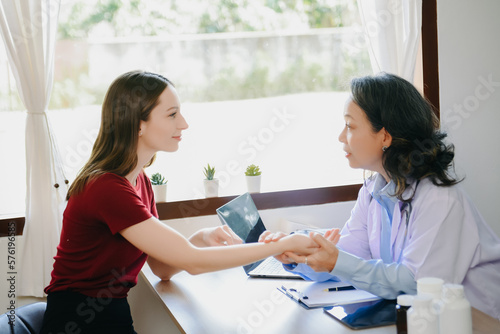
{"x": 116, "y": 203}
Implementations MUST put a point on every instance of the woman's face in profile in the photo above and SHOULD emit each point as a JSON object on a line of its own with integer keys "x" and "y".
{"x": 362, "y": 146}
{"x": 163, "y": 130}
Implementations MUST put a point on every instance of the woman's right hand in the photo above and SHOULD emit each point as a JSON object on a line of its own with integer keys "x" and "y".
{"x": 295, "y": 243}
{"x": 299, "y": 244}
{"x": 332, "y": 235}
{"x": 325, "y": 257}
{"x": 268, "y": 236}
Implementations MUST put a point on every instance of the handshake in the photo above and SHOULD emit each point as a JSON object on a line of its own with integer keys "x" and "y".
{"x": 315, "y": 250}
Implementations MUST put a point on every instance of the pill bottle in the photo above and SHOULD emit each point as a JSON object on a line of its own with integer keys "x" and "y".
{"x": 430, "y": 285}
{"x": 455, "y": 316}
{"x": 434, "y": 287}
{"x": 402, "y": 306}
{"x": 421, "y": 317}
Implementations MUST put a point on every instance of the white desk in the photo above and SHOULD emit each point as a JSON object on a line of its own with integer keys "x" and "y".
{"x": 230, "y": 302}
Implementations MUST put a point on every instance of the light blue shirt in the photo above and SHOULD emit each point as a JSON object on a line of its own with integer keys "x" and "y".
{"x": 443, "y": 235}
{"x": 383, "y": 193}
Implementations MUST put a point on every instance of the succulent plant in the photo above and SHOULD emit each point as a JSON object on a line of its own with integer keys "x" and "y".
{"x": 253, "y": 170}
{"x": 157, "y": 179}
{"x": 209, "y": 172}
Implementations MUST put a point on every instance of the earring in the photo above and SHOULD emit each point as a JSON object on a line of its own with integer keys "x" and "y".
{"x": 384, "y": 148}
{"x": 140, "y": 133}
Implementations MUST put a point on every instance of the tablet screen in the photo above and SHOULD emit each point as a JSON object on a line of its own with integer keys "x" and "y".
{"x": 363, "y": 315}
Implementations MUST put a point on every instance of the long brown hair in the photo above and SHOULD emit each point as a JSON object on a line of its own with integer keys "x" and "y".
{"x": 128, "y": 101}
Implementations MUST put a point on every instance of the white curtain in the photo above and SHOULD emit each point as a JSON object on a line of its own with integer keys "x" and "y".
{"x": 392, "y": 29}
{"x": 28, "y": 29}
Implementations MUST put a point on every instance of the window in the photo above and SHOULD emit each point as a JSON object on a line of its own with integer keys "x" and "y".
{"x": 12, "y": 139}
{"x": 261, "y": 82}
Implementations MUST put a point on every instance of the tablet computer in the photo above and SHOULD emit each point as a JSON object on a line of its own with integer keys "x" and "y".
{"x": 362, "y": 315}
{"x": 242, "y": 216}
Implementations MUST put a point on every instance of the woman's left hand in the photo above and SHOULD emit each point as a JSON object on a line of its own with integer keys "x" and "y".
{"x": 215, "y": 236}
{"x": 324, "y": 259}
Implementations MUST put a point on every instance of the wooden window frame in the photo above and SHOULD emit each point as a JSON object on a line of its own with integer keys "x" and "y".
{"x": 300, "y": 197}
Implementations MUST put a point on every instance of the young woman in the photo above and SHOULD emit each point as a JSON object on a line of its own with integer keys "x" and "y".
{"x": 111, "y": 227}
{"x": 411, "y": 219}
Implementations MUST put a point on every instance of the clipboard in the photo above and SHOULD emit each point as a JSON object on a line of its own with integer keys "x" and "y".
{"x": 293, "y": 295}
{"x": 313, "y": 295}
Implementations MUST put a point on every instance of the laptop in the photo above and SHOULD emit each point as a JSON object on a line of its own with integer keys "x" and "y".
{"x": 241, "y": 215}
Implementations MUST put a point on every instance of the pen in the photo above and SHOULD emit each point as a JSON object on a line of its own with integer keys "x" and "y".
{"x": 340, "y": 288}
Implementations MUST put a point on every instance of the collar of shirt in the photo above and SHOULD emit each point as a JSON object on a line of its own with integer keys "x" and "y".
{"x": 383, "y": 193}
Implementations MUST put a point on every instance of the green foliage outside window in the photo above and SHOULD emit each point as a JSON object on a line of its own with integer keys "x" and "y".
{"x": 160, "y": 17}
{"x": 81, "y": 19}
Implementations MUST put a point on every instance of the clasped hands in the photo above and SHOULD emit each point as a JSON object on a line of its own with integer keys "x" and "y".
{"x": 322, "y": 258}
{"x": 321, "y": 251}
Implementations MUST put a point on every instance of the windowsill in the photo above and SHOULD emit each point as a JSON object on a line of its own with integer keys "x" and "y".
{"x": 8, "y": 221}
{"x": 207, "y": 206}
{"x": 269, "y": 200}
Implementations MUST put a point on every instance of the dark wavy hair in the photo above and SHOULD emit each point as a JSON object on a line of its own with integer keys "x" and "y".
{"x": 417, "y": 150}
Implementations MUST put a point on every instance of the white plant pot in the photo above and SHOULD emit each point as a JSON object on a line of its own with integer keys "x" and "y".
{"x": 160, "y": 191}
{"x": 211, "y": 187}
{"x": 253, "y": 183}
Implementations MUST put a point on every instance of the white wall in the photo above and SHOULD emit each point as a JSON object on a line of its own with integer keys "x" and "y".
{"x": 283, "y": 219}
{"x": 469, "y": 56}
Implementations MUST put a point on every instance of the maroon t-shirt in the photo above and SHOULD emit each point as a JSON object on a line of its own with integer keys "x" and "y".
{"x": 92, "y": 257}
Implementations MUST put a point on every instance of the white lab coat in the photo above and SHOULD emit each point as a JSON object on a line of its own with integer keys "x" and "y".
{"x": 446, "y": 237}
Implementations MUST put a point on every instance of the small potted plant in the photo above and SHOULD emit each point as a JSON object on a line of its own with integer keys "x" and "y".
{"x": 159, "y": 185}
{"x": 253, "y": 176}
{"x": 210, "y": 183}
